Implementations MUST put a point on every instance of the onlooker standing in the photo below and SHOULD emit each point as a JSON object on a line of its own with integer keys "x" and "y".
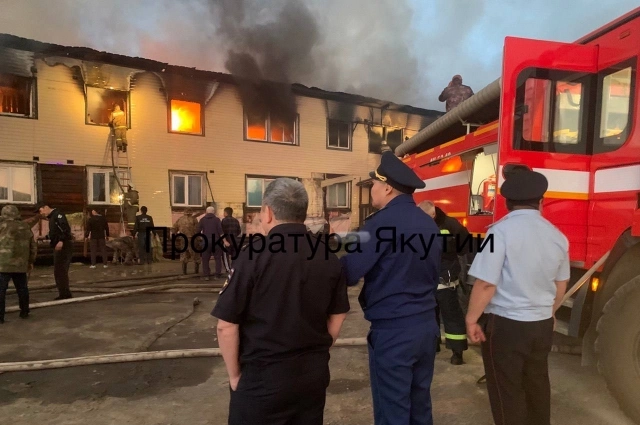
{"x": 211, "y": 227}
{"x": 231, "y": 228}
{"x": 18, "y": 252}
{"x": 62, "y": 243}
{"x": 98, "y": 228}
{"x": 143, "y": 222}
{"x": 519, "y": 284}
{"x": 278, "y": 315}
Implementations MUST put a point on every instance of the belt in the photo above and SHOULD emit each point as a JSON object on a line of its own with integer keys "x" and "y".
{"x": 449, "y": 285}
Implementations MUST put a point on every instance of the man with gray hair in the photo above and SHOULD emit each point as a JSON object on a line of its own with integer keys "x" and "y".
{"x": 286, "y": 303}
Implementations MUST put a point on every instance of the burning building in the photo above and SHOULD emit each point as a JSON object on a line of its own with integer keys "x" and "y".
{"x": 195, "y": 138}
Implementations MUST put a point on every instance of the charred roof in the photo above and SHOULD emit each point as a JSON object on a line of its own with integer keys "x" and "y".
{"x": 43, "y": 50}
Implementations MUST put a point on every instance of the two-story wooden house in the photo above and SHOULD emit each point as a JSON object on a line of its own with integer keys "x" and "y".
{"x": 193, "y": 138}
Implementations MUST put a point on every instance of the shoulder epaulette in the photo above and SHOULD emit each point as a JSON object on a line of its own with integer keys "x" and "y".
{"x": 494, "y": 223}
{"x": 373, "y": 213}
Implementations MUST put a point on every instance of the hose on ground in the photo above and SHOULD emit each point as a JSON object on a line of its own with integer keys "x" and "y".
{"x": 135, "y": 357}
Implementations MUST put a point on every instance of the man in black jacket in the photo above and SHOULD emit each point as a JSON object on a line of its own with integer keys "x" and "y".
{"x": 62, "y": 244}
{"x": 454, "y": 235}
{"x": 143, "y": 222}
{"x": 98, "y": 228}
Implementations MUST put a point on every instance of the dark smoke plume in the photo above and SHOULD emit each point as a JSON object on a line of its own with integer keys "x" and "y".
{"x": 263, "y": 57}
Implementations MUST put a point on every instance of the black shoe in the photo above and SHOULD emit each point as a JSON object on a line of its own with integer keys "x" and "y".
{"x": 24, "y": 315}
{"x": 1, "y": 321}
{"x": 456, "y": 358}
{"x": 66, "y": 297}
{"x": 438, "y": 347}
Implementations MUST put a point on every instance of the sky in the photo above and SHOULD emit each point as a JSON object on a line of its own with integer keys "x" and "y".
{"x": 404, "y": 51}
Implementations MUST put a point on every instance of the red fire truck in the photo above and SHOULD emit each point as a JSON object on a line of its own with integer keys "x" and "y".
{"x": 569, "y": 111}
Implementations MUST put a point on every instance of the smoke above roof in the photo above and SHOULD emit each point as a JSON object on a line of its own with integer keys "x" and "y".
{"x": 404, "y": 51}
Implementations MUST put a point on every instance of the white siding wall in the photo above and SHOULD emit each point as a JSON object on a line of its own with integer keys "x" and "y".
{"x": 60, "y": 134}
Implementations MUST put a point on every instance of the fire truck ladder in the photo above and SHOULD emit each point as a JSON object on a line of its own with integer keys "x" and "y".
{"x": 122, "y": 171}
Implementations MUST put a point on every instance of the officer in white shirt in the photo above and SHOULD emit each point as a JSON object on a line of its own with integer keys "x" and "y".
{"x": 519, "y": 286}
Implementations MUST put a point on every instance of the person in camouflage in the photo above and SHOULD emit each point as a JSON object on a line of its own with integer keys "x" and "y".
{"x": 18, "y": 250}
{"x": 455, "y": 93}
{"x": 124, "y": 249}
{"x": 188, "y": 225}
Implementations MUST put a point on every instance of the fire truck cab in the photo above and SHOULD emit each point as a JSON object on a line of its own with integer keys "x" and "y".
{"x": 569, "y": 111}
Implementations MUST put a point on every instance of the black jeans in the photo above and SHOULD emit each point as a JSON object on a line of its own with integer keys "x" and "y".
{"x": 95, "y": 245}
{"x": 61, "y": 263}
{"x": 146, "y": 257}
{"x": 20, "y": 282}
{"x": 515, "y": 358}
{"x": 291, "y": 392}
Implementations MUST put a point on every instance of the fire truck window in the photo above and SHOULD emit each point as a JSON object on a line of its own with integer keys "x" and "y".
{"x": 483, "y": 184}
{"x": 551, "y": 111}
{"x": 16, "y": 95}
{"x": 101, "y": 103}
{"x": 185, "y": 117}
{"x": 568, "y": 106}
{"x": 615, "y": 108}
{"x": 535, "y": 117}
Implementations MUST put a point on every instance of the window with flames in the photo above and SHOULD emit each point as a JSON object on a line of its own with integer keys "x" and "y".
{"x": 186, "y": 117}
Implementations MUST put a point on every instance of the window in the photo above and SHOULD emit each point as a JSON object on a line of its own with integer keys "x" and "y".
{"x": 16, "y": 184}
{"x": 338, "y": 135}
{"x": 103, "y": 186}
{"x": 614, "y": 123}
{"x": 484, "y": 181}
{"x": 551, "y": 111}
{"x": 256, "y": 185}
{"x": 338, "y": 195}
{"x": 269, "y": 127}
{"x": 378, "y": 133}
{"x": 101, "y": 104}
{"x": 186, "y": 117}
{"x": 17, "y": 96}
{"x": 186, "y": 190}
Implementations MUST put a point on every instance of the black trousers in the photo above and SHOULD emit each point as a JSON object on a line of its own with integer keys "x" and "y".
{"x": 292, "y": 392}
{"x": 144, "y": 256}
{"x": 61, "y": 263}
{"x": 20, "y": 282}
{"x": 455, "y": 329}
{"x": 515, "y": 358}
{"x": 95, "y": 245}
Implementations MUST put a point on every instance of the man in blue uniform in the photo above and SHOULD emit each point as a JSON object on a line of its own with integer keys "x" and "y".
{"x": 519, "y": 285}
{"x": 400, "y": 265}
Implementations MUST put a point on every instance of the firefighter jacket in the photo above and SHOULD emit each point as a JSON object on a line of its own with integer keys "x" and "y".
{"x": 454, "y": 236}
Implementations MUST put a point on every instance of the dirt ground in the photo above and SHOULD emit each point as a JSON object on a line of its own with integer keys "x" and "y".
{"x": 195, "y": 391}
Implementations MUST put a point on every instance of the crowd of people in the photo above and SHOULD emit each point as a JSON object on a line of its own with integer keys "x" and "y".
{"x": 279, "y": 314}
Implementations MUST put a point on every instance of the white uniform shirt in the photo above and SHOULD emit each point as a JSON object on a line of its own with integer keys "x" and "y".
{"x": 529, "y": 255}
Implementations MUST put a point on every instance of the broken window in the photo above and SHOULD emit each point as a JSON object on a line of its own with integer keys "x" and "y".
{"x": 338, "y": 195}
{"x": 377, "y": 136}
{"x": 338, "y": 134}
{"x": 102, "y": 102}
{"x": 394, "y": 137}
{"x": 186, "y": 190}
{"x": 270, "y": 128}
{"x": 16, "y": 184}
{"x": 17, "y": 95}
{"x": 103, "y": 186}
{"x": 186, "y": 117}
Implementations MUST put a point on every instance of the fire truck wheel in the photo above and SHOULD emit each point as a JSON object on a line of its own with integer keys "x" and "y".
{"x": 618, "y": 347}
